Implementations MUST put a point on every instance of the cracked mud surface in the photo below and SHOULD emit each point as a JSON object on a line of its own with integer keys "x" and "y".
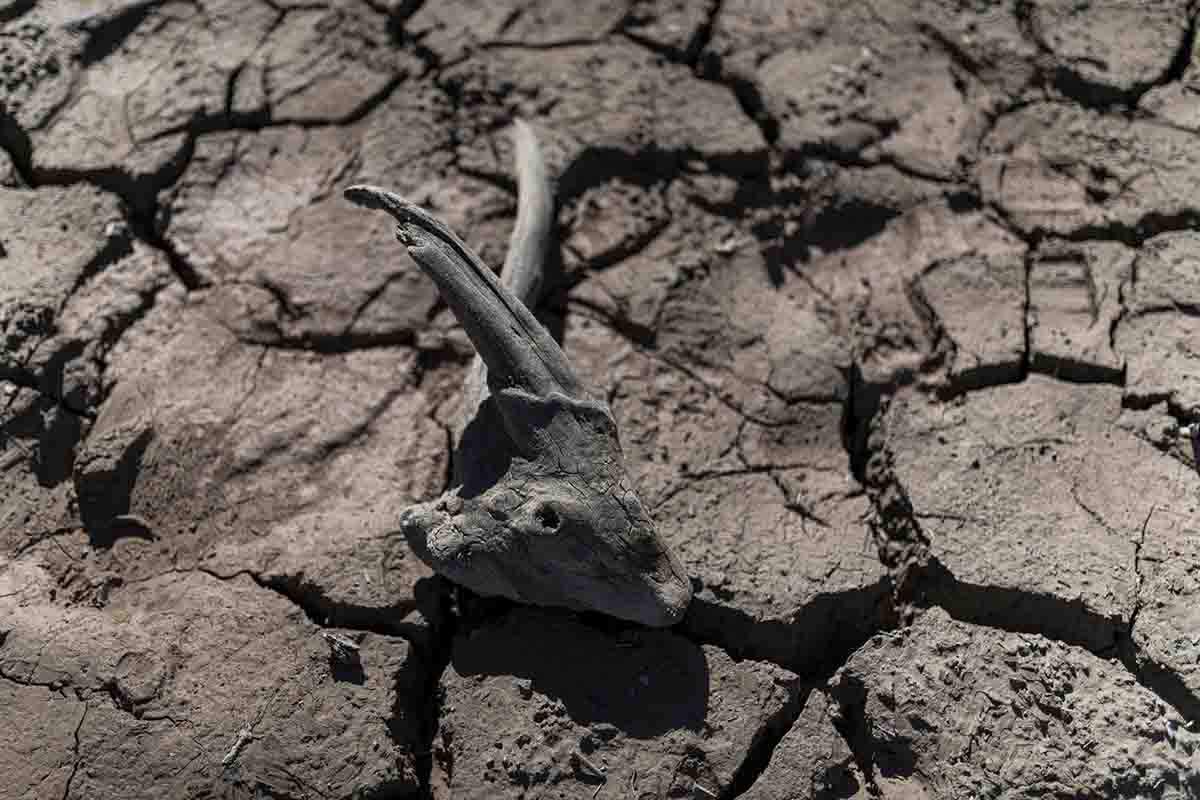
{"x": 895, "y": 305}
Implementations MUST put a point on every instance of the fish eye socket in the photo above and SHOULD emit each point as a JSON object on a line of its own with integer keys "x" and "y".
{"x": 547, "y": 517}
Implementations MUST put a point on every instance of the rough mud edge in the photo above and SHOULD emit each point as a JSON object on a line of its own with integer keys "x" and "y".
{"x": 138, "y": 193}
{"x": 708, "y": 66}
{"x": 854, "y": 727}
{"x": 75, "y": 751}
{"x": 812, "y": 643}
{"x": 431, "y": 644}
{"x": 15, "y": 10}
{"x": 1132, "y": 234}
{"x": 1053, "y": 74}
{"x": 1135, "y": 401}
{"x": 766, "y": 739}
{"x": 921, "y": 581}
{"x": 1149, "y": 673}
{"x": 1069, "y": 622}
{"x": 1074, "y": 370}
{"x": 325, "y": 612}
{"x": 434, "y": 657}
{"x": 25, "y": 379}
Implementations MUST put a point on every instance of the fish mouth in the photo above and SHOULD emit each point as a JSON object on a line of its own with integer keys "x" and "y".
{"x": 451, "y": 544}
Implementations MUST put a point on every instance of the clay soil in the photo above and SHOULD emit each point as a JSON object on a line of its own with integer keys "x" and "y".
{"x": 896, "y": 304}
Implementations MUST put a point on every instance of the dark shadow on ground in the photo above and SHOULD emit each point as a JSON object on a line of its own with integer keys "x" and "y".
{"x": 643, "y": 682}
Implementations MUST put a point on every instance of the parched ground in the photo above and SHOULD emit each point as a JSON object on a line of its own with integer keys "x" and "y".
{"x": 897, "y": 305}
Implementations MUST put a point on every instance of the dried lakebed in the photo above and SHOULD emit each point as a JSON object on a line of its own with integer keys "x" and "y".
{"x": 894, "y": 305}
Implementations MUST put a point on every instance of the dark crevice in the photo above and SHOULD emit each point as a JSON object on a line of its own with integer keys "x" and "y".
{"x": 15, "y": 141}
{"x": 45, "y": 385}
{"x": 448, "y": 470}
{"x": 766, "y": 739}
{"x": 1092, "y": 94}
{"x": 1063, "y": 78}
{"x": 430, "y": 59}
{"x": 709, "y": 66}
{"x": 1020, "y": 611}
{"x": 1073, "y": 370}
{"x": 853, "y": 725}
{"x": 16, "y": 9}
{"x": 1135, "y": 401}
{"x": 149, "y": 228}
{"x": 329, "y": 613}
{"x": 1137, "y": 571}
{"x": 1023, "y": 11}
{"x": 702, "y": 37}
{"x": 984, "y": 376}
{"x": 812, "y": 641}
{"x": 75, "y": 749}
{"x": 434, "y": 597}
{"x": 1144, "y": 402}
{"x": 689, "y": 53}
{"x": 1068, "y": 621}
{"x": 1029, "y": 261}
{"x": 951, "y": 49}
{"x": 964, "y": 201}
{"x": 117, "y": 245}
{"x": 279, "y": 293}
{"x": 326, "y": 612}
{"x": 1191, "y": 310}
{"x": 1160, "y": 680}
{"x": 120, "y": 700}
{"x": 943, "y": 350}
{"x": 848, "y": 224}
{"x": 402, "y": 11}
{"x": 330, "y": 343}
{"x": 1183, "y": 55}
{"x": 138, "y": 194}
{"x": 106, "y": 33}
{"x": 922, "y": 581}
{"x": 205, "y": 122}
{"x": 745, "y": 91}
{"x": 553, "y": 44}
{"x": 901, "y": 542}
{"x": 635, "y": 332}
{"x": 863, "y": 402}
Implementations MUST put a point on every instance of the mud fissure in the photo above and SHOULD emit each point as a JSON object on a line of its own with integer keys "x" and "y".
{"x": 922, "y": 581}
{"x": 326, "y": 612}
{"x": 105, "y": 33}
{"x": 763, "y": 745}
{"x": 75, "y": 751}
{"x": 852, "y": 724}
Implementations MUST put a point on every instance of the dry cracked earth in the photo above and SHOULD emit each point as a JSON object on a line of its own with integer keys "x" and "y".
{"x": 897, "y": 305}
